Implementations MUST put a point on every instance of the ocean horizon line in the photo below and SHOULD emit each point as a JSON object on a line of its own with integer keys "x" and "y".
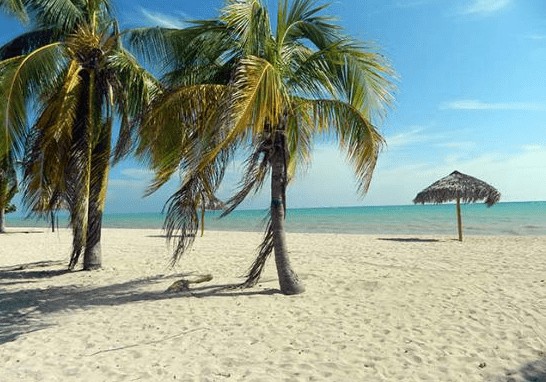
{"x": 255, "y": 209}
{"x": 265, "y": 208}
{"x": 505, "y": 218}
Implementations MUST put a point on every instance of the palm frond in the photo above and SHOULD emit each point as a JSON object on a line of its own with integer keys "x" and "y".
{"x": 182, "y": 208}
{"x": 68, "y": 15}
{"x": 301, "y": 19}
{"x": 202, "y": 53}
{"x": 311, "y": 72}
{"x": 151, "y": 45}
{"x": 8, "y": 181}
{"x": 49, "y": 145}
{"x": 180, "y": 128}
{"x": 15, "y": 7}
{"x": 354, "y": 131}
{"x": 21, "y": 78}
{"x": 257, "y": 168}
{"x": 300, "y": 133}
{"x": 366, "y": 81}
{"x": 259, "y": 99}
{"x": 27, "y": 42}
{"x": 61, "y": 14}
{"x": 265, "y": 250}
{"x": 249, "y": 22}
{"x": 133, "y": 88}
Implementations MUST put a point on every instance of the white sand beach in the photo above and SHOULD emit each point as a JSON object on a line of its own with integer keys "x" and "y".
{"x": 377, "y": 308}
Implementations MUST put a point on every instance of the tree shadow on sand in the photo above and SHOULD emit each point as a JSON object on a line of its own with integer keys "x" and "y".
{"x": 27, "y": 273}
{"x": 531, "y": 372}
{"x": 26, "y": 231}
{"x": 408, "y": 239}
{"x": 25, "y": 310}
{"x": 36, "y": 264}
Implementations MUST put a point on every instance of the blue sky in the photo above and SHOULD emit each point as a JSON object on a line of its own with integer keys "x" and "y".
{"x": 471, "y": 97}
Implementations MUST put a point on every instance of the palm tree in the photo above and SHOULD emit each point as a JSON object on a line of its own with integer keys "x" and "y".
{"x": 73, "y": 70}
{"x": 240, "y": 83}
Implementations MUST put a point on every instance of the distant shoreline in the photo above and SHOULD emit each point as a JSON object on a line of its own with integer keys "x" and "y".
{"x": 508, "y": 218}
{"x": 18, "y": 215}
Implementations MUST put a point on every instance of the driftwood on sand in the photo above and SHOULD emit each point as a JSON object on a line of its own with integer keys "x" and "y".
{"x": 183, "y": 285}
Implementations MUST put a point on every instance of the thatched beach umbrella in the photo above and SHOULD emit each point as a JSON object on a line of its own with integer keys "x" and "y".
{"x": 459, "y": 187}
{"x": 211, "y": 203}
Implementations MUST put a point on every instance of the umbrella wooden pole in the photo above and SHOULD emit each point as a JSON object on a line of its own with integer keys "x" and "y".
{"x": 459, "y": 219}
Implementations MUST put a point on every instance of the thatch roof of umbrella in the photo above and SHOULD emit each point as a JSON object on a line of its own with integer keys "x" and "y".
{"x": 211, "y": 203}
{"x": 458, "y": 187}
{"x": 214, "y": 204}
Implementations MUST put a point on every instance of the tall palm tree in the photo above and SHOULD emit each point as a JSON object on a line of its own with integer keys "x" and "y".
{"x": 238, "y": 82}
{"x": 74, "y": 72}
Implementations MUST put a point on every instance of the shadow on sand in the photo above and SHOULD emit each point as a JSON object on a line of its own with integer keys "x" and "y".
{"x": 23, "y": 310}
{"x": 408, "y": 239}
{"x": 531, "y": 372}
{"x": 164, "y": 236}
{"x": 15, "y": 231}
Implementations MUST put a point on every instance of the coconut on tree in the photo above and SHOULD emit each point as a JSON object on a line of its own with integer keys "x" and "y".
{"x": 72, "y": 69}
{"x": 240, "y": 83}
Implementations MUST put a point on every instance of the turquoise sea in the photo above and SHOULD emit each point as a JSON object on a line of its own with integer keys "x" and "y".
{"x": 515, "y": 218}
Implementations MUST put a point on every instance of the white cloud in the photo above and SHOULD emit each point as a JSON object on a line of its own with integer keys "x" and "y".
{"x": 529, "y": 148}
{"x": 461, "y": 146}
{"x": 138, "y": 173}
{"x": 331, "y": 182}
{"x": 485, "y": 7}
{"x": 413, "y": 135}
{"x": 480, "y": 105}
{"x": 132, "y": 179}
{"x": 164, "y": 20}
{"x": 418, "y": 135}
{"x": 398, "y": 177}
{"x": 518, "y": 176}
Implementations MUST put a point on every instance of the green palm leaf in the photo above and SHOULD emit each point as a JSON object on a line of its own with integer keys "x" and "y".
{"x": 21, "y": 77}
{"x": 15, "y": 7}
{"x": 50, "y": 144}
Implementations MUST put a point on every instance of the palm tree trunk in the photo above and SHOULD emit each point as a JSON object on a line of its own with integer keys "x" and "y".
{"x": 52, "y": 217}
{"x": 92, "y": 258}
{"x": 288, "y": 279}
{"x": 2, "y": 220}
{"x": 79, "y": 168}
